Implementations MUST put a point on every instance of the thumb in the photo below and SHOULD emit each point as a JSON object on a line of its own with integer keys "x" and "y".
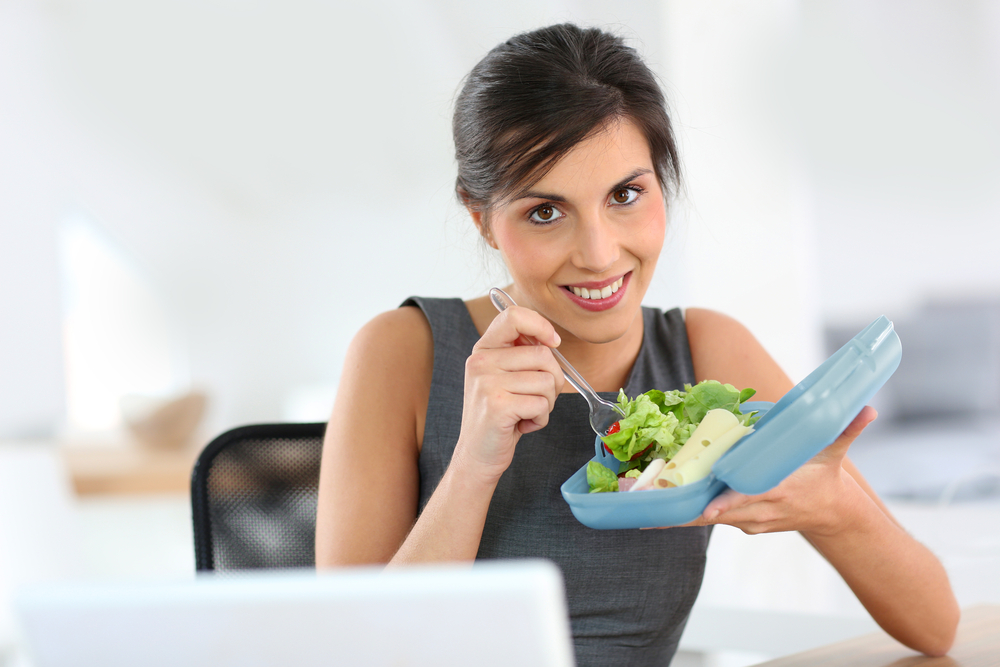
{"x": 840, "y": 446}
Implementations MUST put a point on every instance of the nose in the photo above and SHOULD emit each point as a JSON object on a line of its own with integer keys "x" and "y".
{"x": 597, "y": 244}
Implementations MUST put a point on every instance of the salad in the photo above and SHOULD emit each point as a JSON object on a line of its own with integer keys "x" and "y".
{"x": 671, "y": 438}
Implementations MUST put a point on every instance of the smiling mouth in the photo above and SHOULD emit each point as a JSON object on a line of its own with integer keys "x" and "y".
{"x": 594, "y": 294}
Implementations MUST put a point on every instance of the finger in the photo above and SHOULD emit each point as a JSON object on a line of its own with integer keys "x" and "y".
{"x": 495, "y": 388}
{"x": 519, "y": 358}
{"x": 531, "y": 425}
{"x": 536, "y": 358}
{"x": 514, "y": 360}
{"x": 509, "y": 326}
{"x": 497, "y": 363}
{"x": 838, "y": 448}
{"x": 533, "y": 383}
{"x": 753, "y": 518}
{"x": 501, "y": 394}
{"x": 724, "y": 502}
{"x": 531, "y": 411}
{"x": 867, "y": 415}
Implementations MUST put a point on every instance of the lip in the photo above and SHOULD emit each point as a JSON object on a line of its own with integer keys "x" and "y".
{"x": 598, "y": 285}
{"x": 596, "y": 305}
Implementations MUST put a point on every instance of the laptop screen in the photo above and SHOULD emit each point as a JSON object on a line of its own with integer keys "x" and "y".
{"x": 491, "y": 613}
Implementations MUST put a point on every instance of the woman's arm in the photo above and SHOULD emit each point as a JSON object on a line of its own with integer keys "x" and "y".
{"x": 898, "y": 580}
{"x": 369, "y": 481}
{"x": 369, "y": 515}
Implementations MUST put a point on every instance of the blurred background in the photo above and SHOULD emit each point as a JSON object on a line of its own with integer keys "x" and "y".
{"x": 201, "y": 203}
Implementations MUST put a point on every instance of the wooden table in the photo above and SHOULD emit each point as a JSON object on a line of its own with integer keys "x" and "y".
{"x": 977, "y": 645}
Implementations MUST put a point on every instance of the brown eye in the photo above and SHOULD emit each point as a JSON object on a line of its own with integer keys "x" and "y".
{"x": 545, "y": 213}
{"x": 623, "y": 196}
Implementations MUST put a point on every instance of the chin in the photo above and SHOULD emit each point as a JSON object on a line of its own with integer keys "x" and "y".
{"x": 607, "y": 331}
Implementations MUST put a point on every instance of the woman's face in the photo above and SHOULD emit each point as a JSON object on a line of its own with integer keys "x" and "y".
{"x": 582, "y": 243}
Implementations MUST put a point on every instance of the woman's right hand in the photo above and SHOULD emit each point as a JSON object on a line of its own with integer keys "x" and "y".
{"x": 510, "y": 388}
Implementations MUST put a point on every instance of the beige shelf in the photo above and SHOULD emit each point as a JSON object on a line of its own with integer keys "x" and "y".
{"x": 128, "y": 469}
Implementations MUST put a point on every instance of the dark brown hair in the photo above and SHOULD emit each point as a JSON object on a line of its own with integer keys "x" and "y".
{"x": 537, "y": 95}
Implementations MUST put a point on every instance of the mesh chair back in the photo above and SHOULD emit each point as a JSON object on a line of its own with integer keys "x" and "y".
{"x": 253, "y": 498}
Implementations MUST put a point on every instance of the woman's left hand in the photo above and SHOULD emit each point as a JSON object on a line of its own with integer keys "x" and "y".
{"x": 810, "y": 500}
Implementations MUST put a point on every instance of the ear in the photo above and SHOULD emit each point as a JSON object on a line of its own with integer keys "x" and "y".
{"x": 478, "y": 219}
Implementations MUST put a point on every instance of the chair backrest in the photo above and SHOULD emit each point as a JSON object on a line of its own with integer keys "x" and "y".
{"x": 253, "y": 498}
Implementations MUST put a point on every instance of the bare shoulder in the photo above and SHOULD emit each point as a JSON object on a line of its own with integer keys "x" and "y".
{"x": 723, "y": 349}
{"x": 395, "y": 333}
{"x": 393, "y": 355}
{"x": 716, "y": 338}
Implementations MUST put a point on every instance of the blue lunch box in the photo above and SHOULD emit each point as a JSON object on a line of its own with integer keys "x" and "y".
{"x": 790, "y": 432}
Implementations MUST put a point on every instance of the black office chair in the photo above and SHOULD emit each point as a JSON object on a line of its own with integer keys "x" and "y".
{"x": 253, "y": 498}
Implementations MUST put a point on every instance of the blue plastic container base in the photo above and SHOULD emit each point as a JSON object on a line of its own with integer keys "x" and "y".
{"x": 808, "y": 418}
{"x": 642, "y": 509}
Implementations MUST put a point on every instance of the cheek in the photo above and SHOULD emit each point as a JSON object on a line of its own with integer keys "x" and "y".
{"x": 525, "y": 255}
{"x": 651, "y": 232}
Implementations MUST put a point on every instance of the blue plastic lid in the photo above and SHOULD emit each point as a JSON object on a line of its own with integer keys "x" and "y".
{"x": 814, "y": 413}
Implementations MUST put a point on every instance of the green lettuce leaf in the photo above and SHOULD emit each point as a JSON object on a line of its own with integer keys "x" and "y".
{"x": 643, "y": 424}
{"x": 684, "y": 432}
{"x": 658, "y": 423}
{"x": 710, "y": 395}
{"x": 600, "y": 478}
{"x": 636, "y": 463}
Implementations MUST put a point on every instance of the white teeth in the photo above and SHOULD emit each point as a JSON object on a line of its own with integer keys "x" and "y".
{"x": 603, "y": 293}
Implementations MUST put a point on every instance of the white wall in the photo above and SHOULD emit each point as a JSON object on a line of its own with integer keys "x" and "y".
{"x": 845, "y": 156}
{"x": 281, "y": 172}
{"x": 745, "y": 231}
{"x": 31, "y": 380}
{"x": 897, "y": 108}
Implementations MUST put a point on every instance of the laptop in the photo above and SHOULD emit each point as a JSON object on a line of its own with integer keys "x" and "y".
{"x": 499, "y": 613}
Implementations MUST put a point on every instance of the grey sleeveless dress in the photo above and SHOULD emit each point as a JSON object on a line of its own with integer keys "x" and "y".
{"x": 629, "y": 591}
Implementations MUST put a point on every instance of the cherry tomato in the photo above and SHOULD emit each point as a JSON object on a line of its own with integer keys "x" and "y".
{"x": 614, "y": 429}
{"x": 634, "y": 457}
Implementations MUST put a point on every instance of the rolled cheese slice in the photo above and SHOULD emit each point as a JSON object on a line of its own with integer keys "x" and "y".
{"x": 713, "y": 424}
{"x": 645, "y": 480}
{"x": 700, "y": 465}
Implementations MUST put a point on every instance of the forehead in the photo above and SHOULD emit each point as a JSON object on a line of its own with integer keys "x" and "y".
{"x": 600, "y": 160}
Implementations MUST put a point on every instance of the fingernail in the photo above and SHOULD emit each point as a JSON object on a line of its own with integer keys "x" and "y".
{"x": 558, "y": 340}
{"x": 711, "y": 514}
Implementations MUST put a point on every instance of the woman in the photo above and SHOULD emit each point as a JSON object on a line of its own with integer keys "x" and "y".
{"x": 565, "y": 161}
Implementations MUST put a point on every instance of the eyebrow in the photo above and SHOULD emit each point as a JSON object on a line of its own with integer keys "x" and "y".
{"x": 533, "y": 194}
